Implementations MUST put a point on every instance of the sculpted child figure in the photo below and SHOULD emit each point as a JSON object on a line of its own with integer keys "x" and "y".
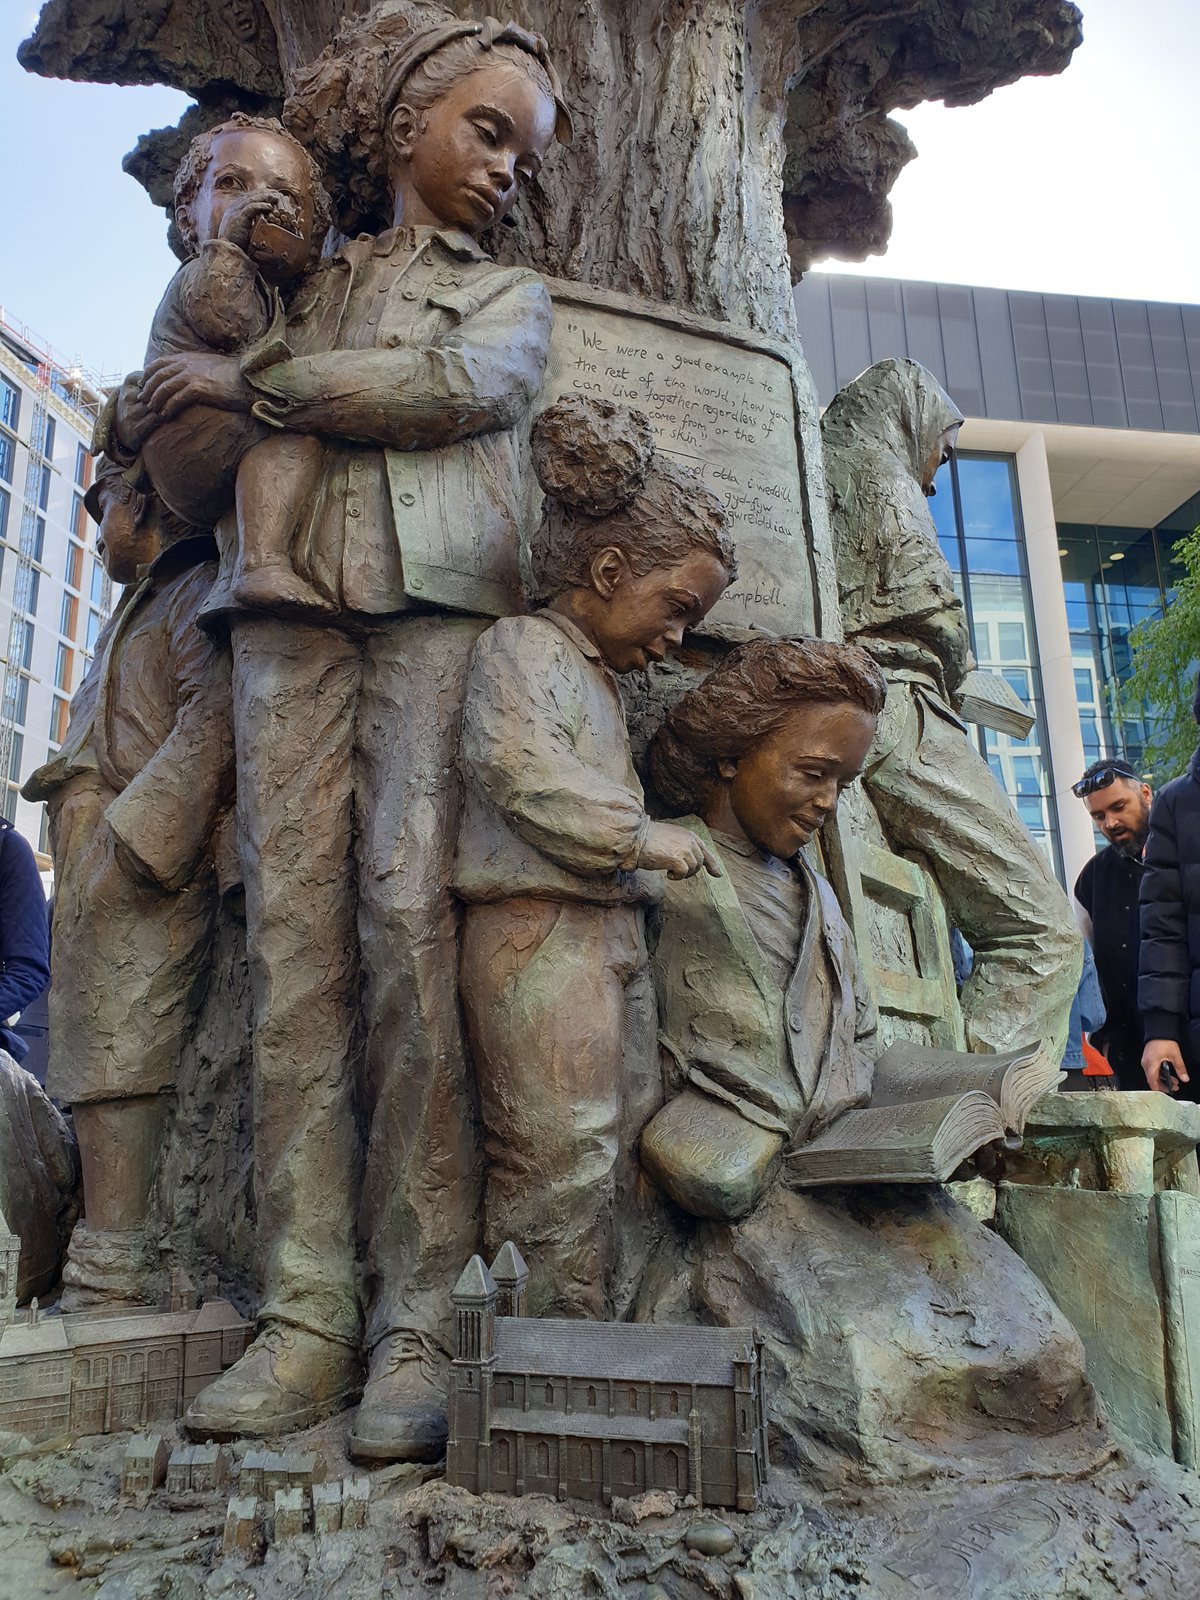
{"x": 762, "y": 1002}
{"x": 138, "y": 796}
{"x": 252, "y": 212}
{"x": 416, "y": 360}
{"x": 557, "y": 858}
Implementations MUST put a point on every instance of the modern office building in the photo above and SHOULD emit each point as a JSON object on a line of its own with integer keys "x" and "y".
{"x": 54, "y": 594}
{"x": 1077, "y": 470}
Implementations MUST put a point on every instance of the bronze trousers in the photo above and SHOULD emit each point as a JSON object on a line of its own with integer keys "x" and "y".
{"x": 131, "y": 960}
{"x": 935, "y": 793}
{"x": 547, "y": 988}
{"x": 348, "y": 806}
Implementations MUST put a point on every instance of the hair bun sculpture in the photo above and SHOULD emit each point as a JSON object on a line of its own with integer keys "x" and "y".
{"x": 592, "y": 456}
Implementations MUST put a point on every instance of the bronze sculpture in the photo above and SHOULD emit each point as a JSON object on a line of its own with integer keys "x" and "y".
{"x": 885, "y": 436}
{"x": 252, "y": 213}
{"x": 557, "y": 857}
{"x": 140, "y": 799}
{"x": 417, "y": 360}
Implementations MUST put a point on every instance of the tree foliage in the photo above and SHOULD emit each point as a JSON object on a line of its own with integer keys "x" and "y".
{"x": 1165, "y": 655}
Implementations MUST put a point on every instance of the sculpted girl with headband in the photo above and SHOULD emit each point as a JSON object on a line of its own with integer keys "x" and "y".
{"x": 416, "y": 359}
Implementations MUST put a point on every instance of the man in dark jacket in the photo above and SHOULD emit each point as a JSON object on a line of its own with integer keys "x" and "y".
{"x": 24, "y": 935}
{"x": 1118, "y": 803}
{"x": 1169, "y": 959}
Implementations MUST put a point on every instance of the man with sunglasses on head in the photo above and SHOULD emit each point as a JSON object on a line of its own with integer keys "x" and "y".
{"x": 1107, "y": 893}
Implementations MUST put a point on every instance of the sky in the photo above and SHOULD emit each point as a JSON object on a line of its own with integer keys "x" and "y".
{"x": 1083, "y": 183}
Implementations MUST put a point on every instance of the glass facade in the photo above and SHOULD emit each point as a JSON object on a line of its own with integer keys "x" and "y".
{"x": 1114, "y": 579}
{"x": 978, "y": 515}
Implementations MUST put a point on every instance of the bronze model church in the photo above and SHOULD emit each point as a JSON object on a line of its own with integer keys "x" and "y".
{"x": 597, "y": 1409}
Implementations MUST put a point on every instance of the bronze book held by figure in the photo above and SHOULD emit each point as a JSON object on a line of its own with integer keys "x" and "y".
{"x": 990, "y": 701}
{"x": 929, "y": 1110}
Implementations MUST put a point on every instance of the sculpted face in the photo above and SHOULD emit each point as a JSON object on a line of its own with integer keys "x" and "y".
{"x": 636, "y": 620}
{"x": 127, "y": 538}
{"x": 784, "y": 789}
{"x": 463, "y": 162}
{"x": 252, "y": 162}
{"x": 938, "y": 457}
{"x": 1121, "y": 810}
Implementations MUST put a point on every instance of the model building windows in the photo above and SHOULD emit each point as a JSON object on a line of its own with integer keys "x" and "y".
{"x": 675, "y": 1400}
{"x": 549, "y": 1394}
{"x": 633, "y": 1399}
{"x": 591, "y": 1395}
{"x": 543, "y": 1459}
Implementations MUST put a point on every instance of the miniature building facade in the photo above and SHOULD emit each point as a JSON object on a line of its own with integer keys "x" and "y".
{"x": 597, "y": 1409}
{"x": 10, "y": 1256}
{"x": 145, "y": 1465}
{"x": 104, "y": 1373}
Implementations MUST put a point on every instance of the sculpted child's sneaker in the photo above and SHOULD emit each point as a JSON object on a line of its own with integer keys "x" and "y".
{"x": 403, "y": 1412}
{"x": 287, "y": 1380}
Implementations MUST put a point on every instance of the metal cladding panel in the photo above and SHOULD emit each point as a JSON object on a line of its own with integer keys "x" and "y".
{"x": 885, "y": 320}
{"x": 851, "y": 335}
{"x": 1064, "y": 338}
{"x": 1103, "y": 362}
{"x": 1032, "y": 345}
{"x": 814, "y": 316}
{"x": 997, "y": 355}
{"x": 1176, "y": 389}
{"x": 1138, "y": 377}
{"x": 923, "y": 326}
{"x": 1012, "y": 355}
{"x": 963, "y": 378}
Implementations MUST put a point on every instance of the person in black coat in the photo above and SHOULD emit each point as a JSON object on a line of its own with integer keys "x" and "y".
{"x": 1169, "y": 957}
{"x": 24, "y": 934}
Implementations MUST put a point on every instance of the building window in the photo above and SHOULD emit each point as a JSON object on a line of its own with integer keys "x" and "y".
{"x": 83, "y": 466}
{"x": 93, "y": 631}
{"x": 48, "y": 439}
{"x": 79, "y": 518}
{"x": 978, "y": 514}
{"x": 97, "y": 591}
{"x": 35, "y": 589}
{"x": 1115, "y": 579}
{"x": 44, "y": 486}
{"x": 74, "y": 572}
{"x": 549, "y": 1394}
{"x": 543, "y": 1459}
{"x": 69, "y": 618}
{"x": 58, "y": 720}
{"x": 3, "y": 515}
{"x": 24, "y": 647}
{"x": 10, "y": 405}
{"x": 591, "y": 1395}
{"x": 62, "y": 667}
{"x": 633, "y": 1399}
{"x": 15, "y": 758}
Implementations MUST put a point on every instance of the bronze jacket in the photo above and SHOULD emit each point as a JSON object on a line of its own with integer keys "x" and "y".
{"x": 153, "y": 718}
{"x": 418, "y": 359}
{"x": 789, "y": 1060}
{"x": 552, "y": 806}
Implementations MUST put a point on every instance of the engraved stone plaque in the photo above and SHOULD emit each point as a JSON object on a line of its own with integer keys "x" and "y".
{"x": 723, "y": 400}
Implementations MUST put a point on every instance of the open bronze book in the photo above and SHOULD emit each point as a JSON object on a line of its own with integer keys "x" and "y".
{"x": 990, "y": 700}
{"x": 929, "y": 1110}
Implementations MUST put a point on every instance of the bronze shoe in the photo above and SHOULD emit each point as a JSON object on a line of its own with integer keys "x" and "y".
{"x": 287, "y": 1380}
{"x": 403, "y": 1412}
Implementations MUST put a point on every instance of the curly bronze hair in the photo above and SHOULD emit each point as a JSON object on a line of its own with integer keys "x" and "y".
{"x": 194, "y": 165}
{"x": 606, "y": 484}
{"x": 746, "y": 698}
{"x": 399, "y": 50}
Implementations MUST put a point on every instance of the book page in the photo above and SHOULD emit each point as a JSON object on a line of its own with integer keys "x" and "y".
{"x": 919, "y": 1142}
{"x": 908, "y": 1071}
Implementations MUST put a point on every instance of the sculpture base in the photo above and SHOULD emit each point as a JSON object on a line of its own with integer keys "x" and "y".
{"x": 1048, "y": 1520}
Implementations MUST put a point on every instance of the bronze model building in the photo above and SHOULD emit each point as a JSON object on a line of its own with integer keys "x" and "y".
{"x": 597, "y": 1409}
{"x": 89, "y": 1373}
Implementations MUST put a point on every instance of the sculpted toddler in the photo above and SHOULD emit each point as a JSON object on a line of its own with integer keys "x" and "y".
{"x": 557, "y": 856}
{"x": 250, "y": 207}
